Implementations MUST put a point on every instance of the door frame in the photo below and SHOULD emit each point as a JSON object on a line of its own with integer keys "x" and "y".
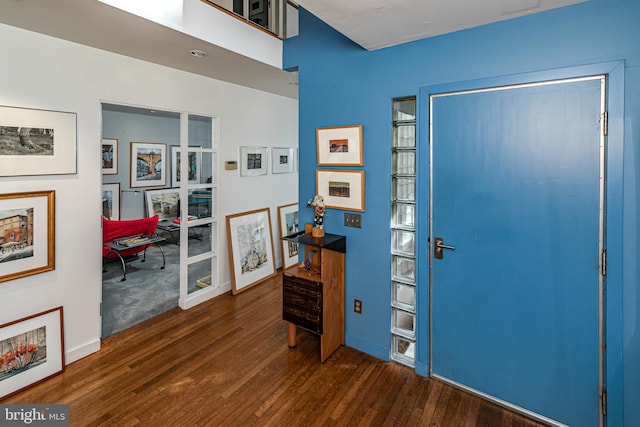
{"x": 611, "y": 298}
{"x": 188, "y": 300}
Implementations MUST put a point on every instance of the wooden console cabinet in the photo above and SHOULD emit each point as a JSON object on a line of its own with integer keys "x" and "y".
{"x": 313, "y": 299}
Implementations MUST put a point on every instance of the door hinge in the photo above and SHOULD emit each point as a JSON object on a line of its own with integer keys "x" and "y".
{"x": 605, "y": 123}
{"x": 603, "y": 402}
{"x": 604, "y": 262}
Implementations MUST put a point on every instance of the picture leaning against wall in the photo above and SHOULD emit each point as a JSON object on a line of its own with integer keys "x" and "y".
{"x": 250, "y": 248}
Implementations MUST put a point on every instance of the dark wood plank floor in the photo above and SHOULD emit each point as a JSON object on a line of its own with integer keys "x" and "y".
{"x": 226, "y": 363}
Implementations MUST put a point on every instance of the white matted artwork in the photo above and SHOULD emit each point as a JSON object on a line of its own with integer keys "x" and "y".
{"x": 250, "y": 248}
{"x": 339, "y": 146}
{"x": 27, "y": 224}
{"x": 148, "y": 164}
{"x": 111, "y": 200}
{"x": 194, "y": 163}
{"x": 282, "y": 160}
{"x": 341, "y": 189}
{"x": 288, "y": 219}
{"x": 39, "y": 340}
{"x": 164, "y": 203}
{"x": 253, "y": 161}
{"x": 109, "y": 156}
{"x": 37, "y": 142}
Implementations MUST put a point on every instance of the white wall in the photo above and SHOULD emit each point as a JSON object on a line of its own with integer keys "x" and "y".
{"x": 46, "y": 73}
{"x": 205, "y": 22}
{"x": 292, "y": 21}
{"x": 128, "y": 128}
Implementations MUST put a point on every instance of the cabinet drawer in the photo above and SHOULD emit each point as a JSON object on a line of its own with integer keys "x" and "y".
{"x": 296, "y": 282}
{"x": 302, "y": 303}
{"x": 307, "y": 319}
{"x": 302, "y": 292}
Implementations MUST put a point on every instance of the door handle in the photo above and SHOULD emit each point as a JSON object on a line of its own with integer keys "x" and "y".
{"x": 439, "y": 246}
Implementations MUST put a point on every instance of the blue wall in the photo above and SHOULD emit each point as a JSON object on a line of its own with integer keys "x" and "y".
{"x": 343, "y": 84}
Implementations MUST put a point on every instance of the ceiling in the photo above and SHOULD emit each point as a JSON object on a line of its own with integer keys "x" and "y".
{"x": 92, "y": 23}
{"x": 373, "y": 24}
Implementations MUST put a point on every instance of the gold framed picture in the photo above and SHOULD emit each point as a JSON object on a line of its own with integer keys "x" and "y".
{"x": 250, "y": 248}
{"x": 27, "y": 234}
{"x": 341, "y": 189}
{"x": 339, "y": 146}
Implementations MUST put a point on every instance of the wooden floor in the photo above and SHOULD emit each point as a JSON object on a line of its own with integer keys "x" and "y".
{"x": 226, "y": 363}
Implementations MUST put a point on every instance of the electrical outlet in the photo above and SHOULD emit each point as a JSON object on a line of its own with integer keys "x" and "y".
{"x": 352, "y": 220}
{"x": 357, "y": 306}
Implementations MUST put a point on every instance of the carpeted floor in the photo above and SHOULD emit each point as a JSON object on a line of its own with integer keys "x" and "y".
{"x": 147, "y": 292}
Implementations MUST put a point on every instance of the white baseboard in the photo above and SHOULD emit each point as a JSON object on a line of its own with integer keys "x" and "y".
{"x": 203, "y": 295}
{"x": 84, "y": 350}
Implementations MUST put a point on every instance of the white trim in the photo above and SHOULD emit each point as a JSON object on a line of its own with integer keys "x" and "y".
{"x": 81, "y": 351}
{"x": 601, "y": 233}
{"x": 601, "y": 248}
{"x": 195, "y": 298}
{"x": 515, "y": 86}
{"x": 500, "y": 402}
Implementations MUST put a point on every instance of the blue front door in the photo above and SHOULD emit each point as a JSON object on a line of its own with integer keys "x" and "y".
{"x": 516, "y": 197}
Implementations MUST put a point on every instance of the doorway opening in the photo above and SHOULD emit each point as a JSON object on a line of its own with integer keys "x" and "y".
{"x": 159, "y": 164}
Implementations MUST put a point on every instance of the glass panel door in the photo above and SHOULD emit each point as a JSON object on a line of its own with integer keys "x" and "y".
{"x": 197, "y": 180}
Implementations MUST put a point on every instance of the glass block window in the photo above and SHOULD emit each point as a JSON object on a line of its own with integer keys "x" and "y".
{"x": 403, "y": 231}
{"x": 404, "y": 296}
{"x": 403, "y": 243}
{"x": 403, "y": 350}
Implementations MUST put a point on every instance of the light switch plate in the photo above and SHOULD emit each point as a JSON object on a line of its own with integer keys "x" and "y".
{"x": 352, "y": 220}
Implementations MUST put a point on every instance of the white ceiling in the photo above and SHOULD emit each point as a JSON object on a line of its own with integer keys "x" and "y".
{"x": 375, "y": 24}
{"x": 96, "y": 24}
{"x": 372, "y": 24}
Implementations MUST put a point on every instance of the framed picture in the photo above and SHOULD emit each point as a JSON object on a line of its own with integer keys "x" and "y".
{"x": 340, "y": 145}
{"x": 111, "y": 200}
{"x": 37, "y": 142}
{"x": 31, "y": 351}
{"x": 256, "y": 6}
{"x": 282, "y": 160}
{"x": 195, "y": 164}
{"x": 253, "y": 161}
{"x": 250, "y": 248}
{"x": 109, "y": 156}
{"x": 288, "y": 219}
{"x": 148, "y": 161}
{"x": 165, "y": 203}
{"x": 341, "y": 189}
{"x": 27, "y": 234}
